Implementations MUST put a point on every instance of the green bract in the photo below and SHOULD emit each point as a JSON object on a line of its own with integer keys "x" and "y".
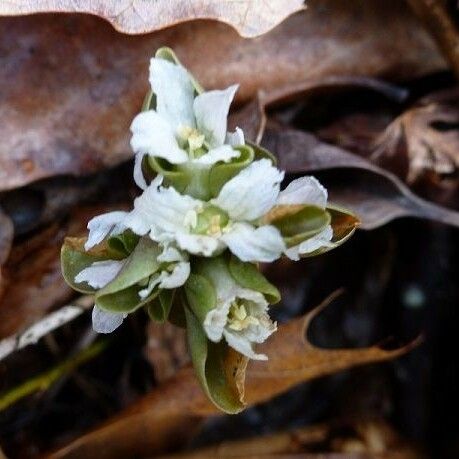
{"x": 122, "y": 294}
{"x": 220, "y": 370}
{"x": 74, "y": 259}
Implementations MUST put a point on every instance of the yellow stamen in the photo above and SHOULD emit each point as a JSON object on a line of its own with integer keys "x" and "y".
{"x": 238, "y": 319}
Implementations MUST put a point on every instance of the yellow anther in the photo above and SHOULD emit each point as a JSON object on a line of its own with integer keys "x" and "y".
{"x": 214, "y": 226}
{"x": 238, "y": 319}
{"x": 194, "y": 138}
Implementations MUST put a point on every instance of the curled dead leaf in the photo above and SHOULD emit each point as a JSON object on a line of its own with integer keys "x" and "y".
{"x": 374, "y": 194}
{"x": 250, "y": 18}
{"x": 77, "y": 120}
{"x": 425, "y": 138}
{"x": 163, "y": 419}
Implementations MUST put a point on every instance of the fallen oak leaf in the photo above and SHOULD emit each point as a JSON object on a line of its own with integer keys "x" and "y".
{"x": 427, "y": 138}
{"x": 300, "y": 360}
{"x": 249, "y": 17}
{"x": 78, "y": 119}
{"x": 163, "y": 420}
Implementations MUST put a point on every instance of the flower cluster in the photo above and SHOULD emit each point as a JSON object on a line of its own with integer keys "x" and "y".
{"x": 211, "y": 209}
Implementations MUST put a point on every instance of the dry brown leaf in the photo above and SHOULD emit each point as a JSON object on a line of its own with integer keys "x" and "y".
{"x": 426, "y": 137}
{"x": 377, "y": 196}
{"x": 341, "y": 439}
{"x": 162, "y": 420}
{"x": 74, "y": 84}
{"x": 249, "y": 17}
{"x": 166, "y": 349}
{"x": 6, "y": 236}
{"x": 33, "y": 281}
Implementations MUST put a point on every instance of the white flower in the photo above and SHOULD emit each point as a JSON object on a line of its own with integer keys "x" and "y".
{"x": 240, "y": 317}
{"x": 183, "y": 128}
{"x": 206, "y": 228}
{"x": 101, "y": 273}
{"x": 307, "y": 190}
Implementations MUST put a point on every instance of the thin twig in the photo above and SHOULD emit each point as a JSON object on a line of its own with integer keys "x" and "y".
{"x": 49, "y": 323}
{"x": 45, "y": 380}
{"x": 437, "y": 20}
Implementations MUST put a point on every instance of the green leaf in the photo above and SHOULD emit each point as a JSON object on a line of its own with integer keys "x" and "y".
{"x": 160, "y": 307}
{"x": 219, "y": 369}
{"x": 248, "y": 276}
{"x": 222, "y": 172}
{"x": 74, "y": 259}
{"x": 343, "y": 223}
{"x": 152, "y": 165}
{"x": 298, "y": 222}
{"x": 177, "y": 314}
{"x": 201, "y": 295}
{"x": 124, "y": 243}
{"x": 122, "y": 294}
{"x": 262, "y": 153}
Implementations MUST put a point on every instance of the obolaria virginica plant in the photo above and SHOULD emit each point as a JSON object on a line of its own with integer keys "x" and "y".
{"x": 211, "y": 209}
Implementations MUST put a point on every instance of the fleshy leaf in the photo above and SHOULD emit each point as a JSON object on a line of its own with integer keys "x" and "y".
{"x": 201, "y": 295}
{"x": 160, "y": 307}
{"x": 298, "y": 222}
{"x": 122, "y": 294}
{"x": 124, "y": 243}
{"x": 74, "y": 259}
{"x": 222, "y": 172}
{"x": 343, "y": 223}
{"x": 198, "y": 181}
{"x": 248, "y": 276}
{"x": 262, "y": 153}
{"x": 219, "y": 369}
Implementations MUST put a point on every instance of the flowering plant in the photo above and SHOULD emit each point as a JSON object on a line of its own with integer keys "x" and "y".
{"x": 211, "y": 209}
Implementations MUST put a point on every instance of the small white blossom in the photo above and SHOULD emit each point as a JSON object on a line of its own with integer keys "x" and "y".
{"x": 240, "y": 317}
{"x": 183, "y": 128}
{"x": 101, "y": 273}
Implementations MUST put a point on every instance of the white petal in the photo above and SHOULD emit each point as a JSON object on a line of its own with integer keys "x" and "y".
{"x": 263, "y": 244}
{"x": 104, "y": 321}
{"x": 305, "y": 190}
{"x": 170, "y": 254}
{"x": 100, "y": 273}
{"x": 235, "y": 138}
{"x": 139, "y": 179}
{"x": 177, "y": 277}
{"x": 224, "y": 153}
{"x": 252, "y": 192}
{"x": 241, "y": 344}
{"x": 215, "y": 321}
{"x": 198, "y": 244}
{"x": 312, "y": 244}
{"x": 160, "y": 210}
{"x": 174, "y": 93}
{"x": 99, "y": 227}
{"x": 211, "y": 111}
{"x": 152, "y": 134}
